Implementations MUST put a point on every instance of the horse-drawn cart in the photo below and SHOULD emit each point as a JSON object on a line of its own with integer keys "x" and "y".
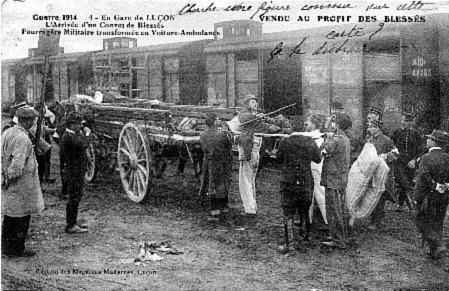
{"x": 138, "y": 141}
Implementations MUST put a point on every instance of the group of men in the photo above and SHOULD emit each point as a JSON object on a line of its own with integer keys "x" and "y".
{"x": 21, "y": 182}
{"x": 315, "y": 168}
{"x": 43, "y": 152}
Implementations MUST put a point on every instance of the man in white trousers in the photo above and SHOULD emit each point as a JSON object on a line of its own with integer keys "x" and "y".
{"x": 249, "y": 147}
{"x": 247, "y": 177}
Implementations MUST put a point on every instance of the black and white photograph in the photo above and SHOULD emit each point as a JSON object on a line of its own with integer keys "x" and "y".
{"x": 224, "y": 145}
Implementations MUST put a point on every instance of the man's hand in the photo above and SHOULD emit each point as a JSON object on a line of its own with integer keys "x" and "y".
{"x": 254, "y": 164}
{"x": 87, "y": 131}
{"x": 411, "y": 164}
{"x": 330, "y": 134}
{"x": 260, "y": 115}
{"x": 329, "y": 121}
{"x": 5, "y": 181}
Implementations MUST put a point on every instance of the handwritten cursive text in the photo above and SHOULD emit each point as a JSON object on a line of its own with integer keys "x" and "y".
{"x": 266, "y": 7}
{"x": 192, "y": 8}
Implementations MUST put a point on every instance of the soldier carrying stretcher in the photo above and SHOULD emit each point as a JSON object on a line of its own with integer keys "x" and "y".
{"x": 296, "y": 152}
{"x": 249, "y": 150}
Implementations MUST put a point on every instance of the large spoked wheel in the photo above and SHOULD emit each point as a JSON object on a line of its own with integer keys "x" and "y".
{"x": 91, "y": 170}
{"x": 133, "y": 162}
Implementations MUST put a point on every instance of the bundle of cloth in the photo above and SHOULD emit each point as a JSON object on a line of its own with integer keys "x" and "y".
{"x": 366, "y": 183}
{"x": 86, "y": 99}
{"x": 184, "y": 124}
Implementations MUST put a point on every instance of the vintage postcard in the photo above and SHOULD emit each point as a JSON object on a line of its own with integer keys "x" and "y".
{"x": 164, "y": 145}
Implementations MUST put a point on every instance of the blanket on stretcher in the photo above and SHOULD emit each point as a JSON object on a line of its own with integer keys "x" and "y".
{"x": 366, "y": 183}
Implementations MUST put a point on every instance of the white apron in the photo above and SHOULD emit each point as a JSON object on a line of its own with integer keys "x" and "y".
{"x": 247, "y": 176}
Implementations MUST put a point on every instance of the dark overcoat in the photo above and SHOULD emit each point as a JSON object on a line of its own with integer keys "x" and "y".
{"x": 73, "y": 147}
{"x": 217, "y": 166}
{"x": 336, "y": 162}
{"x": 409, "y": 143}
{"x": 296, "y": 152}
{"x": 432, "y": 205}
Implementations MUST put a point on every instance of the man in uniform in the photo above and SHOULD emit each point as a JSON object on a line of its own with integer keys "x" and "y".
{"x": 408, "y": 141}
{"x": 334, "y": 178}
{"x": 432, "y": 192}
{"x": 73, "y": 145}
{"x": 217, "y": 167}
{"x": 387, "y": 150}
{"x": 44, "y": 157}
{"x": 296, "y": 152}
{"x": 60, "y": 130}
{"x": 374, "y": 113}
{"x": 21, "y": 191}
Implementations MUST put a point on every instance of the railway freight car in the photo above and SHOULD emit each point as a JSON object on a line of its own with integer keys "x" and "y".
{"x": 397, "y": 67}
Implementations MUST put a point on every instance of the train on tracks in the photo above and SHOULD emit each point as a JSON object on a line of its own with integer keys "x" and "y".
{"x": 397, "y": 67}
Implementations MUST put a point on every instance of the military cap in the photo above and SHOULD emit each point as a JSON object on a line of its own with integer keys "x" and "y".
{"x": 26, "y": 112}
{"x": 408, "y": 116}
{"x": 74, "y": 117}
{"x": 439, "y": 135}
{"x": 375, "y": 123}
{"x": 250, "y": 97}
{"x": 376, "y": 110}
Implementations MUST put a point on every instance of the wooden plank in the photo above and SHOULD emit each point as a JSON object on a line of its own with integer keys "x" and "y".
{"x": 125, "y": 109}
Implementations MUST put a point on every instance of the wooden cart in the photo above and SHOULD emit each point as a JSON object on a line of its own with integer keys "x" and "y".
{"x": 136, "y": 142}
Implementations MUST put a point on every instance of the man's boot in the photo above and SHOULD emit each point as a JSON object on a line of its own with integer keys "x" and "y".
{"x": 288, "y": 236}
{"x": 214, "y": 216}
{"x": 433, "y": 254}
{"x": 411, "y": 204}
{"x": 301, "y": 236}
